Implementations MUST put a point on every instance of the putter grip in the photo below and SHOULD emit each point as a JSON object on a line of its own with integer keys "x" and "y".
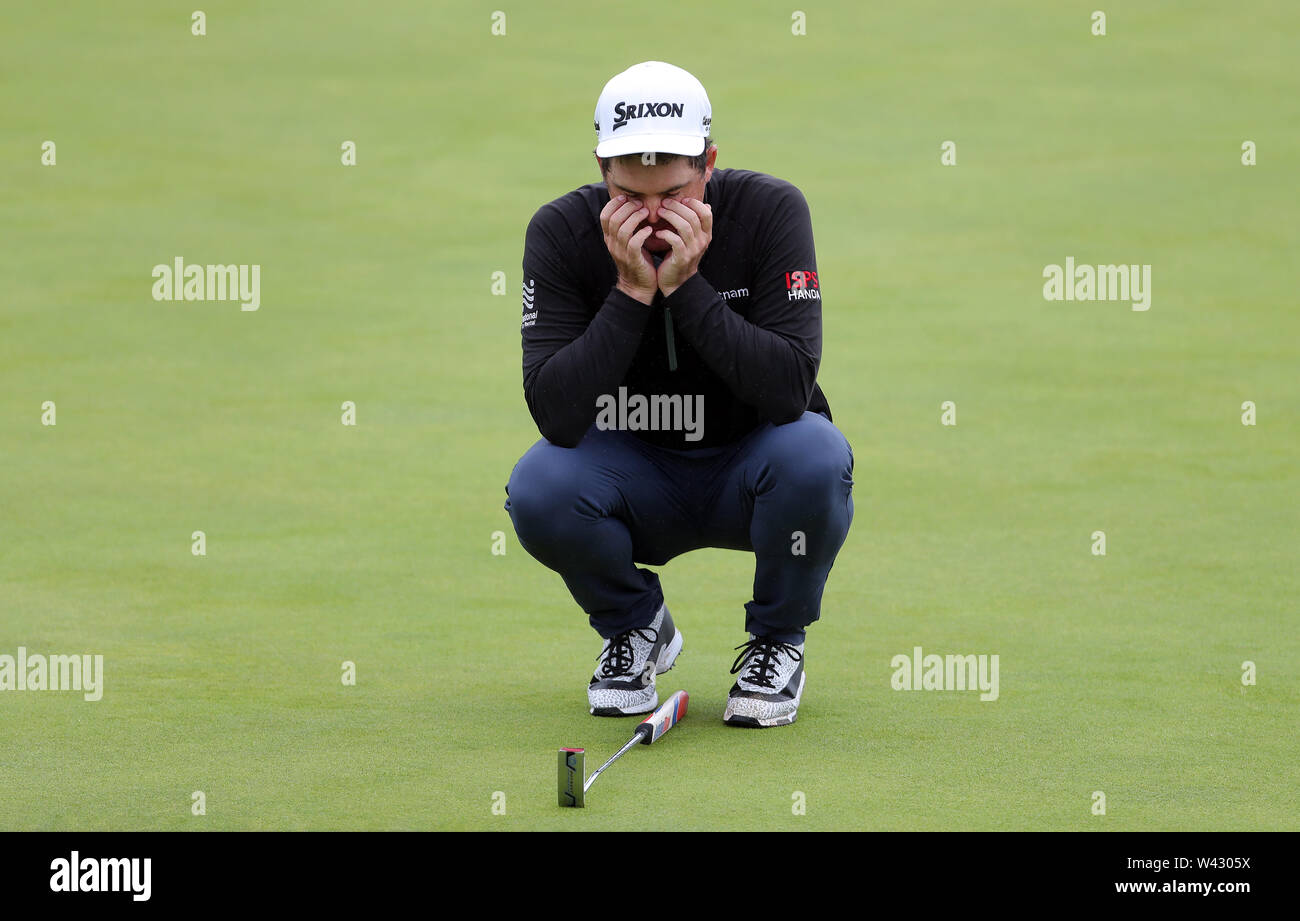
{"x": 663, "y": 719}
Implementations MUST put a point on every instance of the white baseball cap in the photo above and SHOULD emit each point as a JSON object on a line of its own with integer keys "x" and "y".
{"x": 652, "y": 106}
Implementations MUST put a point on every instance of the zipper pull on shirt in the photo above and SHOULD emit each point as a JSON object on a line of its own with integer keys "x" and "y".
{"x": 668, "y": 338}
{"x": 668, "y": 321}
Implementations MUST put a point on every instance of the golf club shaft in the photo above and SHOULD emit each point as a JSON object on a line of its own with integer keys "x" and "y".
{"x": 619, "y": 754}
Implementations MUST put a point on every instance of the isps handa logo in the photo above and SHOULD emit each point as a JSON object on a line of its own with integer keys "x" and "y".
{"x": 802, "y": 286}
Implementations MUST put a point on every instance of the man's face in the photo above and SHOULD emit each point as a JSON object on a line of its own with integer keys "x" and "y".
{"x": 652, "y": 185}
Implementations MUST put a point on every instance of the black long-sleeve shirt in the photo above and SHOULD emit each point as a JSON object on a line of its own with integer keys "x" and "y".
{"x": 744, "y": 333}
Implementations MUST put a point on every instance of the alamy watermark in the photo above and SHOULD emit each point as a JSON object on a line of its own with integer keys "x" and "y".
{"x": 194, "y": 282}
{"x": 38, "y": 672}
{"x": 1098, "y": 283}
{"x": 920, "y": 672}
{"x": 657, "y": 412}
{"x": 103, "y": 874}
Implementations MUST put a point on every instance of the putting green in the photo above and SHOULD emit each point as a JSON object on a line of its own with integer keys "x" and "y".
{"x": 372, "y": 543}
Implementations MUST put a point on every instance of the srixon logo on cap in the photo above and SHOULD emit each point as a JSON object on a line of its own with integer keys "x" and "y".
{"x": 625, "y": 111}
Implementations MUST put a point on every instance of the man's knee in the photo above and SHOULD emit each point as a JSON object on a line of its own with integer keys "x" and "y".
{"x": 554, "y": 497}
{"x": 543, "y": 491}
{"x": 809, "y": 453}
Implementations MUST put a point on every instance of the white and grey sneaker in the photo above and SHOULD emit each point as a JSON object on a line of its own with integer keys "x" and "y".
{"x": 624, "y": 682}
{"x": 770, "y": 684}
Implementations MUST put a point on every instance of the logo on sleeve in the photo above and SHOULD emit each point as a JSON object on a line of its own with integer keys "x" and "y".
{"x": 802, "y": 286}
{"x": 530, "y": 311}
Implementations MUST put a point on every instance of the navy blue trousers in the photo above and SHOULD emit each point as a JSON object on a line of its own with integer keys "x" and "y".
{"x": 591, "y": 512}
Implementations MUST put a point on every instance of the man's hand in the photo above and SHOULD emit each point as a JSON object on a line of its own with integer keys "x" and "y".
{"x": 636, "y": 272}
{"x": 694, "y": 222}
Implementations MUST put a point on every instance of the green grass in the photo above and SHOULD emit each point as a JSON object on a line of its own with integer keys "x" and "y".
{"x": 372, "y": 543}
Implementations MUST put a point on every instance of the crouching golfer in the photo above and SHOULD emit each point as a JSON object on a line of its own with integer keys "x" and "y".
{"x": 671, "y": 339}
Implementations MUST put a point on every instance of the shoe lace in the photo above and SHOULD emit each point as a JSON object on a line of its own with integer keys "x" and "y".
{"x": 764, "y": 658}
{"x": 619, "y": 655}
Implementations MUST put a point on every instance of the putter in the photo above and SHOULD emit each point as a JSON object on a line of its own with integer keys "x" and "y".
{"x": 573, "y": 761}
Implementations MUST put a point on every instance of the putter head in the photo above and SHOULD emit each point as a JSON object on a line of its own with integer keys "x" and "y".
{"x": 572, "y": 776}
